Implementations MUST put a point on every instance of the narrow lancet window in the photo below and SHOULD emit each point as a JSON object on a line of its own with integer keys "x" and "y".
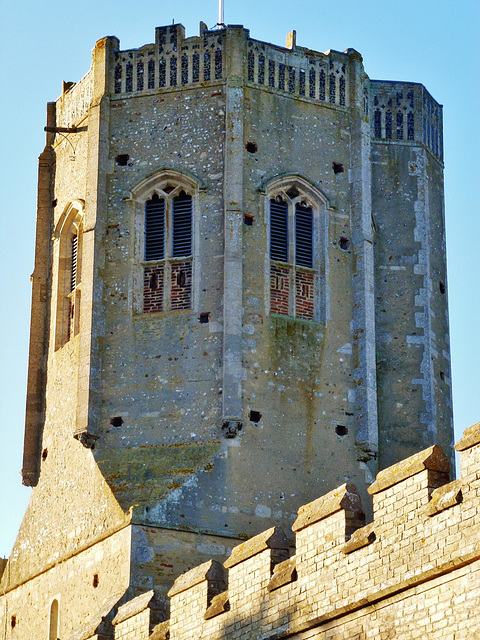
{"x": 303, "y": 236}
{"x": 332, "y": 89}
{"x": 53, "y": 622}
{"x": 388, "y": 125}
{"x": 279, "y": 230}
{"x": 182, "y": 225}
{"x": 155, "y": 229}
{"x": 73, "y": 263}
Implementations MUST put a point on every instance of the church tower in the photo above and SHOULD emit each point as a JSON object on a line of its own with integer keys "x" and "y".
{"x": 239, "y": 303}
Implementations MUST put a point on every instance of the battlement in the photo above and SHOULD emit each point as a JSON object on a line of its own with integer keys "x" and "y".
{"x": 398, "y": 111}
{"x": 175, "y": 62}
{"x": 424, "y": 539}
{"x": 406, "y": 112}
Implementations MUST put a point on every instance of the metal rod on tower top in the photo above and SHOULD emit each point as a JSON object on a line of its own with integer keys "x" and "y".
{"x": 220, "y": 12}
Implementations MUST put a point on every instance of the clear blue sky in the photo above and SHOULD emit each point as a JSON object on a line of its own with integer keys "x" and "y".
{"x": 434, "y": 42}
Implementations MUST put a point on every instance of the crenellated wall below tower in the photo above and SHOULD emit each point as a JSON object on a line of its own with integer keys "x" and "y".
{"x": 413, "y": 572}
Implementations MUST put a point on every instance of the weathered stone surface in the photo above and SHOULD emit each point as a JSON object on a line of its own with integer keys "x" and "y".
{"x": 99, "y": 624}
{"x": 273, "y": 538}
{"x": 219, "y": 605}
{"x": 360, "y": 538}
{"x": 432, "y": 458}
{"x": 443, "y": 498}
{"x": 471, "y": 437}
{"x": 210, "y": 571}
{"x": 133, "y": 607}
{"x": 161, "y": 631}
{"x": 344, "y": 498}
{"x": 283, "y": 573}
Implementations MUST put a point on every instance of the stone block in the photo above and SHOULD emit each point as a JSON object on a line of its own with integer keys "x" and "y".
{"x": 273, "y": 538}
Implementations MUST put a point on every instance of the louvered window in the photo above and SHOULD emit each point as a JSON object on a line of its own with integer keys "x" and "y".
{"x": 168, "y": 241}
{"x": 295, "y": 258}
{"x": 182, "y": 226}
{"x": 303, "y": 236}
{"x": 155, "y": 229}
{"x": 279, "y": 230}
{"x": 73, "y": 264}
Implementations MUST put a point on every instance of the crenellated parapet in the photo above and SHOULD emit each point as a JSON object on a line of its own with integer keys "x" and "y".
{"x": 424, "y": 539}
{"x": 174, "y": 62}
{"x": 406, "y": 113}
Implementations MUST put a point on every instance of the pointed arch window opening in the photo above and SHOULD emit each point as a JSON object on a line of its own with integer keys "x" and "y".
{"x": 167, "y": 249}
{"x": 295, "y": 252}
{"x": 54, "y": 619}
{"x": 68, "y": 261}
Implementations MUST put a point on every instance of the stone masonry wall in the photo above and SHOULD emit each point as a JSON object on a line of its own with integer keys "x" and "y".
{"x": 86, "y": 586}
{"x": 165, "y": 373}
{"x": 410, "y": 289}
{"x": 413, "y": 573}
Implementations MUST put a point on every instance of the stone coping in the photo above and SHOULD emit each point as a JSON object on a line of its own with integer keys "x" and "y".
{"x": 343, "y": 498}
{"x": 138, "y": 604}
{"x": 443, "y": 498}
{"x": 283, "y": 573}
{"x": 360, "y": 538}
{"x": 211, "y": 570}
{"x": 432, "y": 458}
{"x": 471, "y": 437}
{"x": 161, "y": 631}
{"x": 219, "y": 604}
{"x": 273, "y": 538}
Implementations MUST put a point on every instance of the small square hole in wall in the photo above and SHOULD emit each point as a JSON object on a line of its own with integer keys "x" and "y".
{"x": 13, "y": 622}
{"x": 344, "y": 243}
{"x": 117, "y": 421}
{"x": 248, "y": 219}
{"x": 251, "y": 147}
{"x": 204, "y": 317}
{"x": 341, "y": 430}
{"x": 95, "y": 580}
{"x": 122, "y": 159}
{"x": 255, "y": 416}
{"x": 337, "y": 167}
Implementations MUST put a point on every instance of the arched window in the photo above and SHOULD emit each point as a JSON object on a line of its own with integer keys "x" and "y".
{"x": 165, "y": 206}
{"x": 68, "y": 261}
{"x": 53, "y": 621}
{"x": 296, "y": 223}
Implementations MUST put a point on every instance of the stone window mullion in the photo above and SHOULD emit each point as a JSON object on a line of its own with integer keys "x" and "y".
{"x": 167, "y": 279}
{"x": 167, "y": 285}
{"x": 166, "y": 249}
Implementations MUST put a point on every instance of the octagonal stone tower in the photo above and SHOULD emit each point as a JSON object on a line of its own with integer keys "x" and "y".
{"x": 239, "y": 302}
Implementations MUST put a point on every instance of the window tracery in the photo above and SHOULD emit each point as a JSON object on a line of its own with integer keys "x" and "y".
{"x": 165, "y": 209}
{"x": 295, "y": 212}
